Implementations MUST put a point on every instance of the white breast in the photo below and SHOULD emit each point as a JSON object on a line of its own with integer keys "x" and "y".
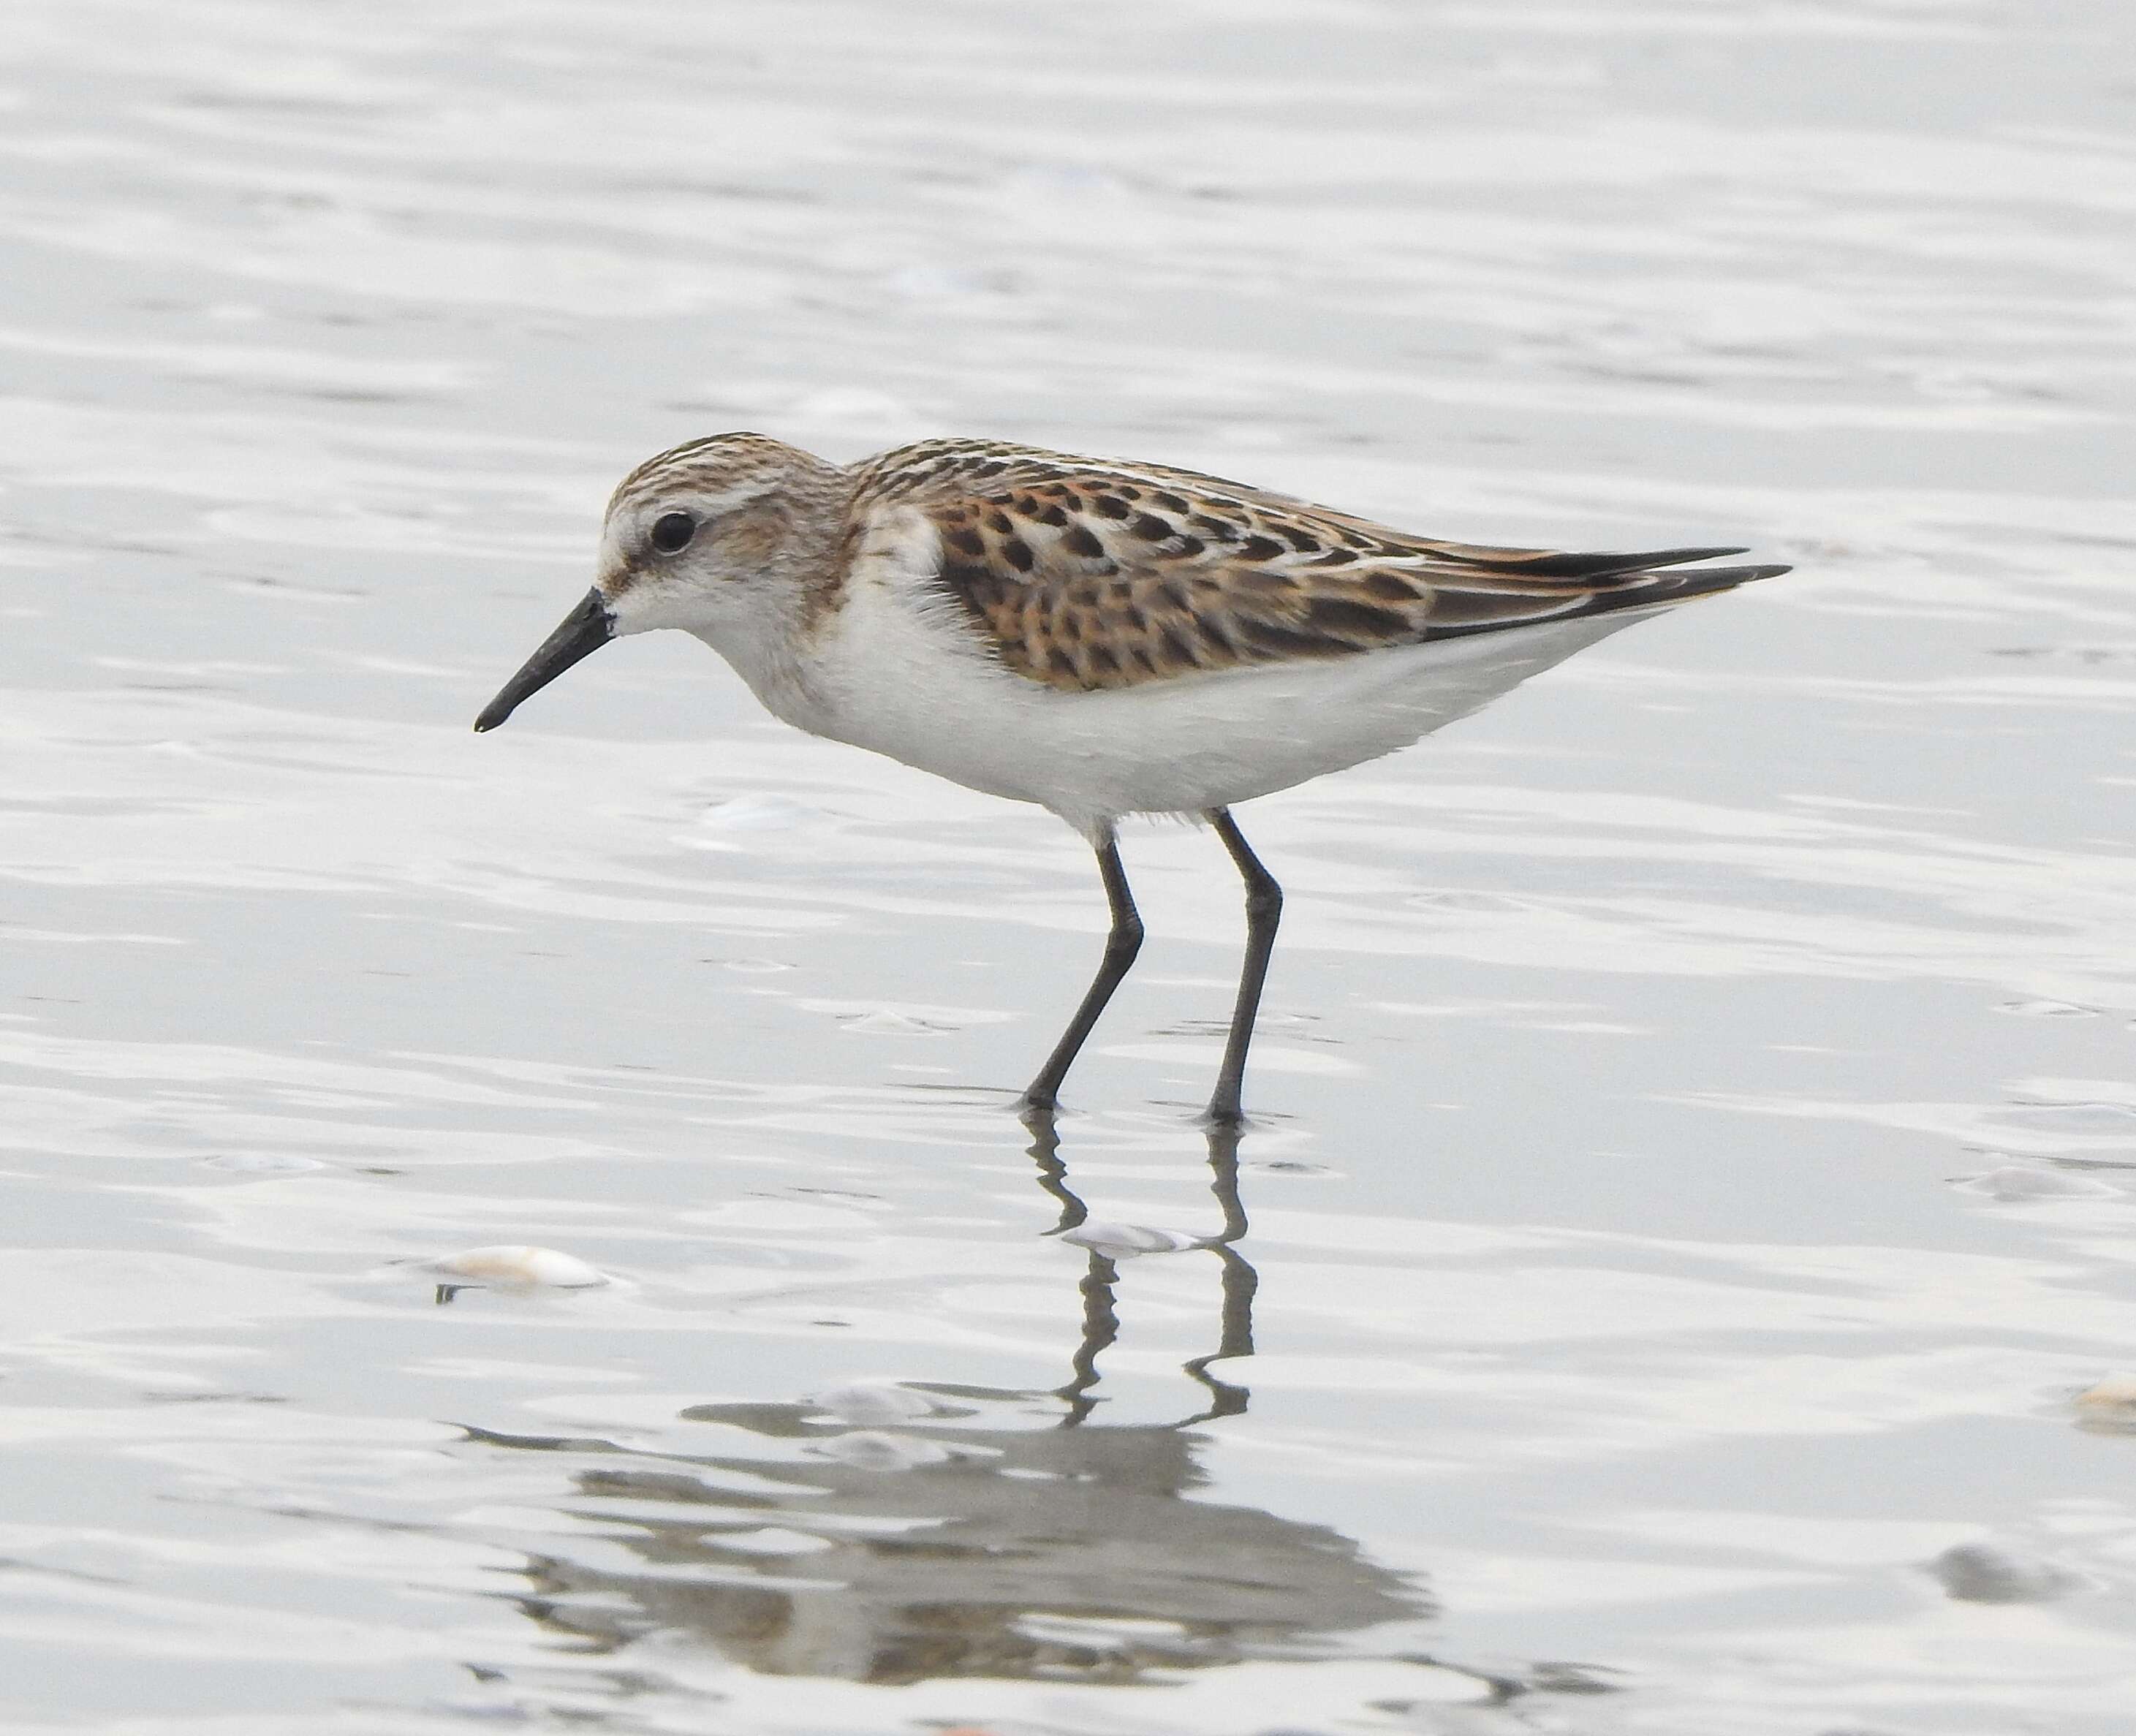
{"x": 900, "y": 670}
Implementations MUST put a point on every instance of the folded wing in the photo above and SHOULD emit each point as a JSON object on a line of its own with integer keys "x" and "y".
{"x": 1088, "y": 575}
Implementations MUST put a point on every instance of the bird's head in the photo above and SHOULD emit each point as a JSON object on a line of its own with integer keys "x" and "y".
{"x": 720, "y": 537}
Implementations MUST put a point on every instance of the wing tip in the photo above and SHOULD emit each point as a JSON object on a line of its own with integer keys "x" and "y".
{"x": 1672, "y": 588}
{"x": 1727, "y": 577}
{"x": 1575, "y": 568}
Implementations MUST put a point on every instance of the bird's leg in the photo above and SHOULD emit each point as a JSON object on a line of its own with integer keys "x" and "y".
{"x": 1263, "y": 911}
{"x": 1121, "y": 945}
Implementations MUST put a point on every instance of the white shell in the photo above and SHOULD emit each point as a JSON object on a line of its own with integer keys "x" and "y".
{"x": 873, "y": 1402}
{"x": 514, "y": 1266}
{"x": 1127, "y": 1241}
{"x": 2116, "y": 1392}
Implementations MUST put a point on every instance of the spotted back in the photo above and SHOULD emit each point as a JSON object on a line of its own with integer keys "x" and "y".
{"x": 1087, "y": 575}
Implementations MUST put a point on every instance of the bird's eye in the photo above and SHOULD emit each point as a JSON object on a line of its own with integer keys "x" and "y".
{"x": 671, "y": 532}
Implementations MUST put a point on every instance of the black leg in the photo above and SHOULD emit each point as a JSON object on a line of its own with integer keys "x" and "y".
{"x": 1263, "y": 911}
{"x": 1121, "y": 945}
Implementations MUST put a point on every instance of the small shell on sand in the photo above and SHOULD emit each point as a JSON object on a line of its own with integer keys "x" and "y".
{"x": 2116, "y": 1392}
{"x": 869, "y": 1402}
{"x": 1125, "y": 1241}
{"x": 514, "y": 1266}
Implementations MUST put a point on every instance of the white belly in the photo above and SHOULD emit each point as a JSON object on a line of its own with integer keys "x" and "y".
{"x": 918, "y": 689}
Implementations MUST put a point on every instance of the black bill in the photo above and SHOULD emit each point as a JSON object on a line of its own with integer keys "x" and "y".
{"x": 583, "y": 632}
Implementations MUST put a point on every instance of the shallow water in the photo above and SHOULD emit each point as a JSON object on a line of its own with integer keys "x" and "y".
{"x": 1696, "y": 1155}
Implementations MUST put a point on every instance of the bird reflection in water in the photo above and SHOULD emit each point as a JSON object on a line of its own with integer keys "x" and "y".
{"x": 1101, "y": 1321}
{"x": 1008, "y": 1534}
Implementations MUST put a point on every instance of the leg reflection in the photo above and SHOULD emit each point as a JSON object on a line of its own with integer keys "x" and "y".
{"x": 1101, "y": 1321}
{"x": 1241, "y": 1280}
{"x": 1052, "y": 1171}
{"x": 957, "y": 1530}
{"x": 1101, "y": 1326}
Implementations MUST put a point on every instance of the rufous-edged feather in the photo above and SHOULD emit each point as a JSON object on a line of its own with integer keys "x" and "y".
{"x": 1086, "y": 574}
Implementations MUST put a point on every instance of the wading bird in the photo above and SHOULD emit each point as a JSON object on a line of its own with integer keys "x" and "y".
{"x": 1098, "y": 638}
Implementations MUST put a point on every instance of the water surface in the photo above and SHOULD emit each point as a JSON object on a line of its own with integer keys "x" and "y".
{"x": 1697, "y": 1106}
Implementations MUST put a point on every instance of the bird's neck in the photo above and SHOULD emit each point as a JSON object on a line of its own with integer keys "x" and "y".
{"x": 769, "y": 645}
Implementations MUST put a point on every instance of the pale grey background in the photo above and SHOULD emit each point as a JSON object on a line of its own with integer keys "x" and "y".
{"x": 1620, "y": 1304}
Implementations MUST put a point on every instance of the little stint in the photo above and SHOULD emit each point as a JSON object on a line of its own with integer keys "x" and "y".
{"x": 1100, "y": 638}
